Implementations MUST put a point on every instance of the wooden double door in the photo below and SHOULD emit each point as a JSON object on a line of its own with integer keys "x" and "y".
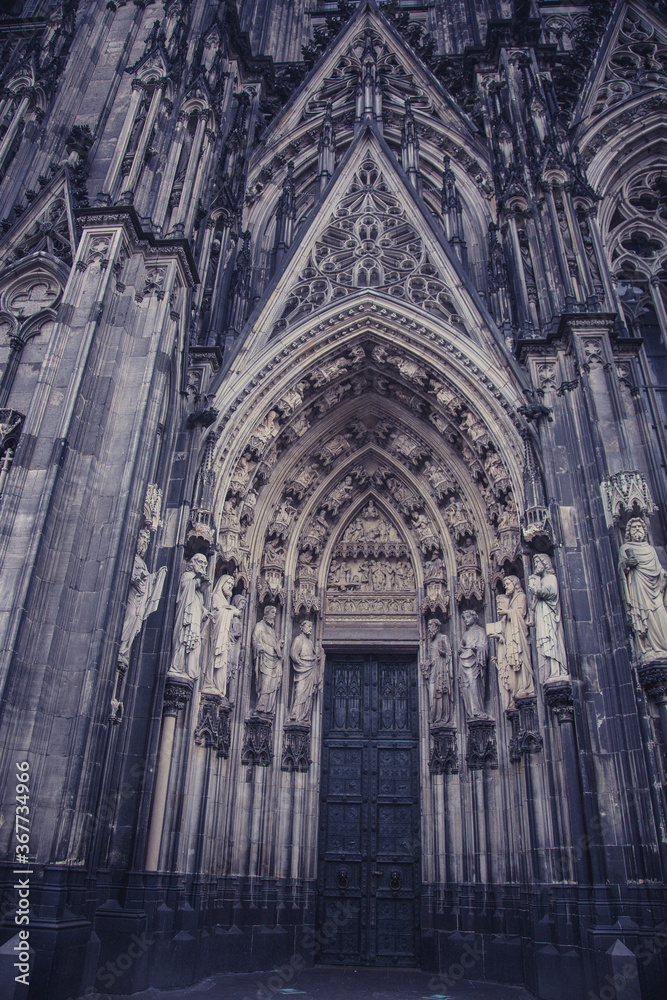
{"x": 369, "y": 843}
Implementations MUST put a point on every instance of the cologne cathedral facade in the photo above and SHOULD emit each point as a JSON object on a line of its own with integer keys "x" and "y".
{"x": 333, "y": 500}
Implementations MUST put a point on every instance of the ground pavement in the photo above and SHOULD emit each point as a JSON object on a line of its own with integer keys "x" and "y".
{"x": 335, "y": 983}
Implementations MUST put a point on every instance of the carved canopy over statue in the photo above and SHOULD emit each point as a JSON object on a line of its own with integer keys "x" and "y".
{"x": 644, "y": 586}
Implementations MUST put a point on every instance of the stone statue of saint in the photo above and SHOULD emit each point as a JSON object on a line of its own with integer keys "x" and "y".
{"x": 643, "y": 586}
{"x": 222, "y": 614}
{"x": 545, "y": 616}
{"x": 511, "y": 631}
{"x": 438, "y": 674}
{"x": 268, "y": 654}
{"x": 306, "y": 667}
{"x": 191, "y": 617}
{"x": 235, "y": 652}
{"x": 473, "y": 656}
{"x": 142, "y": 600}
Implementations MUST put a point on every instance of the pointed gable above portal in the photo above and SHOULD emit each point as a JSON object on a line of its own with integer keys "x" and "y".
{"x": 370, "y": 233}
{"x": 335, "y": 81}
{"x": 47, "y": 226}
{"x": 632, "y": 61}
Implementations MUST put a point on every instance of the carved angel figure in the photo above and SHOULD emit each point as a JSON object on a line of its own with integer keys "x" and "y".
{"x": 191, "y": 617}
{"x": 335, "y": 447}
{"x": 438, "y": 673}
{"x": 545, "y": 615}
{"x": 142, "y": 599}
{"x": 328, "y": 371}
{"x": 292, "y": 399}
{"x": 644, "y": 587}
{"x": 243, "y": 473}
{"x": 511, "y": 631}
{"x": 306, "y": 673}
{"x": 267, "y": 429}
{"x": 222, "y": 613}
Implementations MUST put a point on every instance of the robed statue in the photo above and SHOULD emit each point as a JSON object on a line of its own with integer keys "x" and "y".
{"x": 438, "y": 673}
{"x": 513, "y": 653}
{"x": 473, "y": 655}
{"x": 644, "y": 586}
{"x": 306, "y": 674}
{"x": 142, "y": 599}
{"x": 546, "y": 617}
{"x": 222, "y": 614}
{"x": 235, "y": 652}
{"x": 267, "y": 652}
{"x": 191, "y": 616}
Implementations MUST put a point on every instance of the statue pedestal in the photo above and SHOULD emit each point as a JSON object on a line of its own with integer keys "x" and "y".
{"x": 482, "y": 749}
{"x": 206, "y": 730}
{"x": 653, "y": 679}
{"x": 296, "y": 747}
{"x": 257, "y": 750}
{"x": 530, "y": 738}
{"x": 224, "y": 730}
{"x": 444, "y": 757}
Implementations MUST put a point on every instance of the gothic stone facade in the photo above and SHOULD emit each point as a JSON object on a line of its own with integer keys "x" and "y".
{"x": 333, "y": 513}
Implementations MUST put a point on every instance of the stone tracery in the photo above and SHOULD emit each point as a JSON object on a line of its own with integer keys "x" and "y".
{"x": 368, "y": 244}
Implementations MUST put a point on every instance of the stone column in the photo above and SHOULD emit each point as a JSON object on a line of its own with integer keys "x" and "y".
{"x": 111, "y": 178}
{"x": 181, "y": 212}
{"x": 127, "y": 196}
{"x": 558, "y": 697}
{"x": 176, "y": 694}
{"x": 653, "y": 679}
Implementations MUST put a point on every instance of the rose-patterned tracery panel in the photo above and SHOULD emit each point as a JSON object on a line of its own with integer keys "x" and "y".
{"x": 369, "y": 243}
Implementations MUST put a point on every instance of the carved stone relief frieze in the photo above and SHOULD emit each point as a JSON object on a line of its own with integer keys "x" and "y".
{"x": 370, "y": 570}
